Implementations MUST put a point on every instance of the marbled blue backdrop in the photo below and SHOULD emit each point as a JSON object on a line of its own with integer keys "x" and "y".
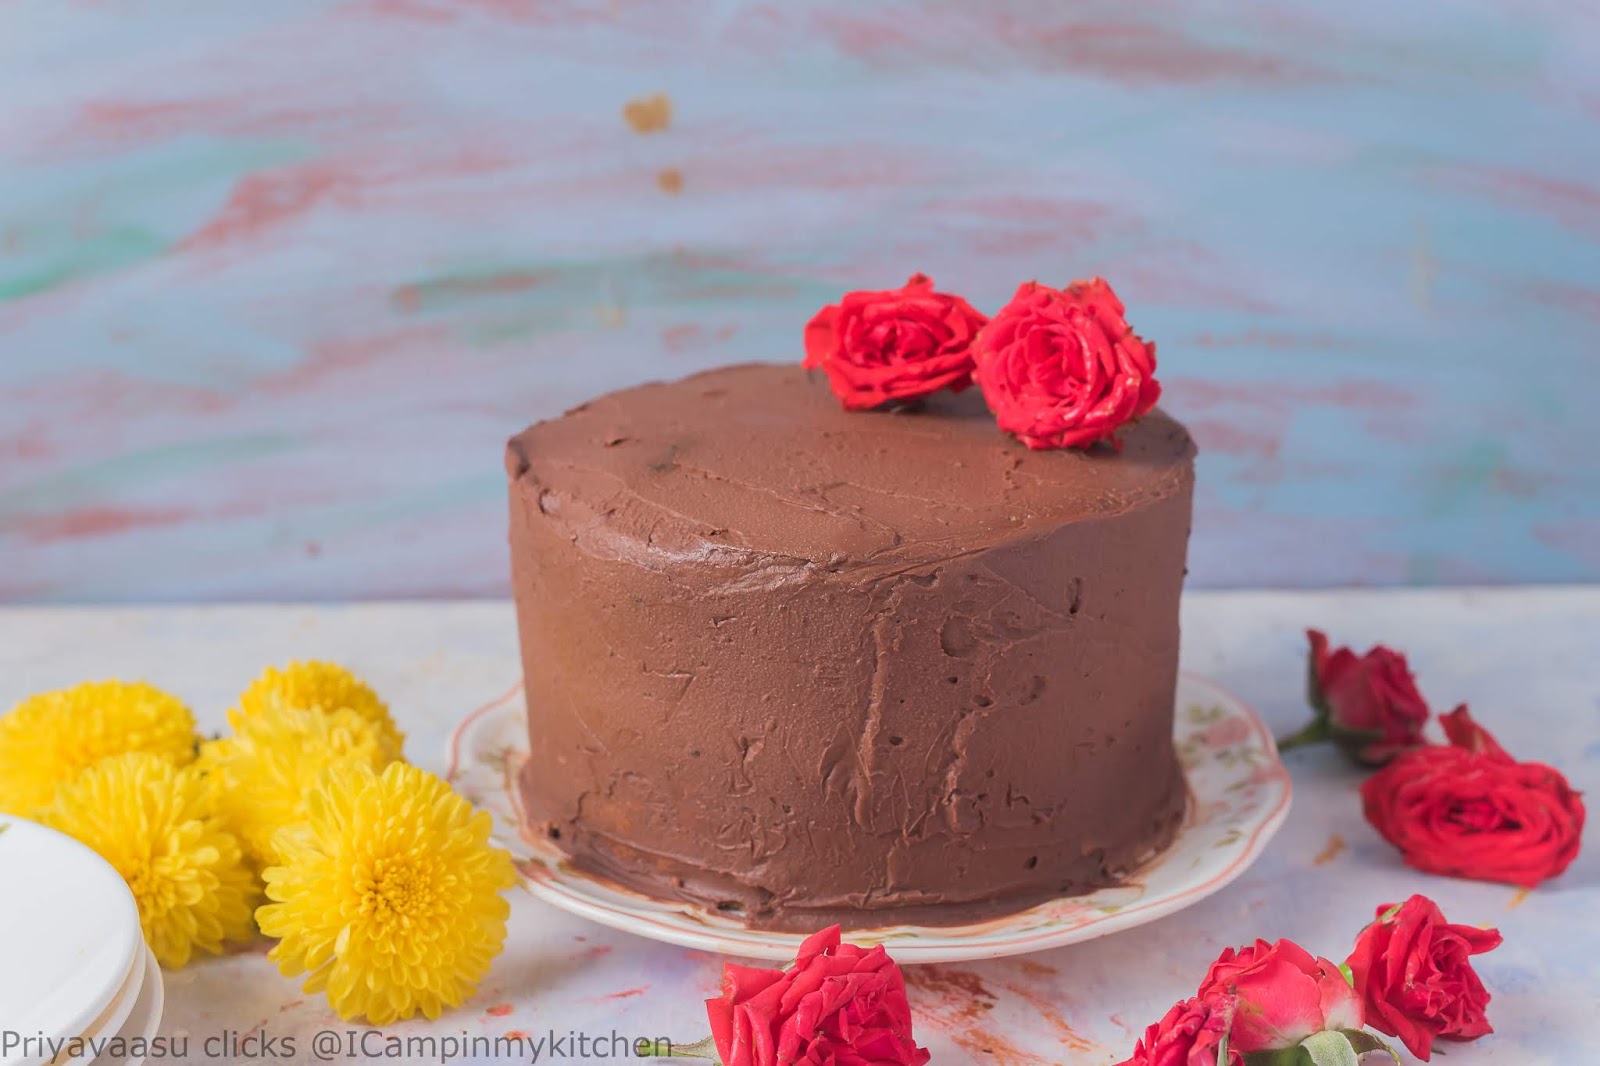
{"x": 277, "y": 279}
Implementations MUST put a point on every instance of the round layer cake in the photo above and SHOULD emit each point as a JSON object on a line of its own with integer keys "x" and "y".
{"x": 806, "y": 665}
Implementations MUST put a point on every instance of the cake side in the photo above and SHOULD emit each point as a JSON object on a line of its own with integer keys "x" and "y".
{"x": 905, "y": 694}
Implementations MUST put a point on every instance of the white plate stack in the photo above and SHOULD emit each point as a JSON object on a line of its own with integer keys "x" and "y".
{"x": 76, "y": 964}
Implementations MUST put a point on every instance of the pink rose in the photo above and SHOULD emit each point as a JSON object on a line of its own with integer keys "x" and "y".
{"x": 1284, "y": 994}
{"x": 1189, "y": 1034}
{"x": 838, "y": 1005}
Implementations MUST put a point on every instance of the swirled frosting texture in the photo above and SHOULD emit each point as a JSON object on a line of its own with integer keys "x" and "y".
{"x": 811, "y": 665}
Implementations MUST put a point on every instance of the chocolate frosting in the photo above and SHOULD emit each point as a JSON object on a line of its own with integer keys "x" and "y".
{"x": 809, "y": 665}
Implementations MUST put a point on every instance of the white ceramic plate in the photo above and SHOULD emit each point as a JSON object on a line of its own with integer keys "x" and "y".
{"x": 70, "y": 926}
{"x": 1239, "y": 796}
{"x": 142, "y": 1021}
{"x": 111, "y": 1020}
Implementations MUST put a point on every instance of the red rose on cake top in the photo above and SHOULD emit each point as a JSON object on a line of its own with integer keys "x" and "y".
{"x": 894, "y": 345}
{"x": 1061, "y": 368}
{"x": 1413, "y": 972}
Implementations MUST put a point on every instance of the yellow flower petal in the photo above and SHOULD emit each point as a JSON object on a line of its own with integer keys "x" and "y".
{"x": 151, "y": 820}
{"x": 49, "y": 738}
{"x": 262, "y": 777}
{"x": 321, "y": 686}
{"x": 390, "y": 900}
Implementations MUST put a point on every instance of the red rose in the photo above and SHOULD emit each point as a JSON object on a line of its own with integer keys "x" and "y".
{"x": 1463, "y": 732}
{"x": 1188, "y": 1035}
{"x": 1284, "y": 995}
{"x": 1414, "y": 975}
{"x": 1368, "y": 704}
{"x": 839, "y": 1005}
{"x": 1061, "y": 368}
{"x": 1471, "y": 810}
{"x": 895, "y": 345}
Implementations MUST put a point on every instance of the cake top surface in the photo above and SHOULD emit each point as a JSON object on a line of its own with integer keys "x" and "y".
{"x": 761, "y": 458}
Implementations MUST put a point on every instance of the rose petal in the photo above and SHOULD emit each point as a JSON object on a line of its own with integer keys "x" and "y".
{"x": 1062, "y": 368}
{"x": 896, "y": 344}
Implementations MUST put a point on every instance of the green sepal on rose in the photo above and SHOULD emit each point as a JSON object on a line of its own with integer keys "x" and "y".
{"x": 1333, "y": 1047}
{"x": 700, "y": 1049}
{"x": 1322, "y": 726}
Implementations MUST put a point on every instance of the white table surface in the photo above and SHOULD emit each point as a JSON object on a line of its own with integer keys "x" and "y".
{"x": 1527, "y": 659}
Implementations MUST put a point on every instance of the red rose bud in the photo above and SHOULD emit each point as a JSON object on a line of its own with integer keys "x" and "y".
{"x": 838, "y": 1003}
{"x": 1061, "y": 368}
{"x": 1192, "y": 1033}
{"x": 1414, "y": 975}
{"x": 1368, "y": 704}
{"x": 897, "y": 345}
{"x": 1470, "y": 810}
{"x": 1284, "y": 995}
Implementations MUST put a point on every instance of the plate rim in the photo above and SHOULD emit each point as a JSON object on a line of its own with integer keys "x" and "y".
{"x": 91, "y": 1012}
{"x": 115, "y": 1017}
{"x": 951, "y": 943}
{"x": 144, "y": 1017}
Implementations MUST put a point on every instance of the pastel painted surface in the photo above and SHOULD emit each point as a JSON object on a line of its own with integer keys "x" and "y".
{"x": 277, "y": 280}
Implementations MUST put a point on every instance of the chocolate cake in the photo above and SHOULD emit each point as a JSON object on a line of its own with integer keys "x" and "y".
{"x": 807, "y": 665}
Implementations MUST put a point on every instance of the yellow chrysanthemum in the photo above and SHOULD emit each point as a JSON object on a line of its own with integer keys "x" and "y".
{"x": 48, "y": 738}
{"x": 388, "y": 896}
{"x": 151, "y": 820}
{"x": 321, "y": 686}
{"x": 262, "y": 776}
